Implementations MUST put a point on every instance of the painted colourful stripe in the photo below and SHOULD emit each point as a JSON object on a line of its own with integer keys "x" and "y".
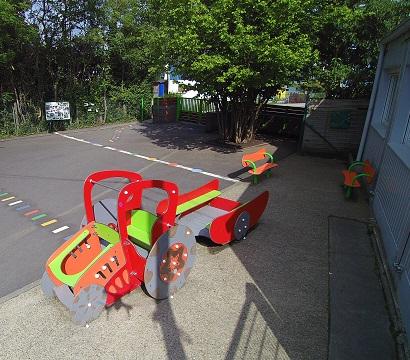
{"x": 44, "y": 224}
{"x": 16, "y": 202}
{"x": 31, "y": 212}
{"x": 9, "y": 198}
{"x": 34, "y": 218}
{"x": 60, "y": 229}
{"x": 22, "y": 207}
{"x": 162, "y": 162}
{"x": 153, "y": 159}
{"x": 3, "y": 194}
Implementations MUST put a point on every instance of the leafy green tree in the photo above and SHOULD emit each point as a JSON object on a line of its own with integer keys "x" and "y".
{"x": 239, "y": 53}
{"x": 16, "y": 38}
{"x": 348, "y": 36}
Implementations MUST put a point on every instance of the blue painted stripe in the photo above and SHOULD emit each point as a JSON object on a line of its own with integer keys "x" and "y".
{"x": 22, "y": 207}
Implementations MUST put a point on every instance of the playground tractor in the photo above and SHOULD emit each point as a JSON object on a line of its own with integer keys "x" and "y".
{"x": 112, "y": 255}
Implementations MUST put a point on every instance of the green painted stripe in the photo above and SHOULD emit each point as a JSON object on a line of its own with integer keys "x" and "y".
{"x": 3, "y": 194}
{"x": 38, "y": 217}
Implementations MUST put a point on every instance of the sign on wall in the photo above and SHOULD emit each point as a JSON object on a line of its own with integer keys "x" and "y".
{"x": 340, "y": 119}
{"x": 57, "y": 111}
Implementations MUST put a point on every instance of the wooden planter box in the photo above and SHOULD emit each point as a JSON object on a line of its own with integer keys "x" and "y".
{"x": 164, "y": 110}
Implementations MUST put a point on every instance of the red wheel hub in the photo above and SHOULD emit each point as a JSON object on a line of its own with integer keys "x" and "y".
{"x": 173, "y": 262}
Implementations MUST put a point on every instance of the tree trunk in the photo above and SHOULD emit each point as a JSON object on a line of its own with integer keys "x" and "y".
{"x": 243, "y": 122}
{"x": 105, "y": 105}
{"x": 55, "y": 88}
{"x": 221, "y": 106}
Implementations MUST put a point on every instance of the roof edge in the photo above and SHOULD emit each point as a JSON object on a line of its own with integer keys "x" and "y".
{"x": 399, "y": 31}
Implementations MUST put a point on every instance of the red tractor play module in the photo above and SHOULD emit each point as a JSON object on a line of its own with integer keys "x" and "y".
{"x": 121, "y": 245}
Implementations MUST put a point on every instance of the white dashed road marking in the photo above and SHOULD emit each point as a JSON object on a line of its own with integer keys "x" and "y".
{"x": 150, "y": 159}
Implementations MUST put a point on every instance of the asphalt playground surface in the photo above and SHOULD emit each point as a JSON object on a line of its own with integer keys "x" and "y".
{"x": 266, "y": 297}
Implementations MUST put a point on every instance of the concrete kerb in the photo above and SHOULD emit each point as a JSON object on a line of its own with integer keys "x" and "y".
{"x": 19, "y": 291}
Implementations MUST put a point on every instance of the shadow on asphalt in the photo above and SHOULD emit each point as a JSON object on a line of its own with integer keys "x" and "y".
{"x": 190, "y": 136}
{"x": 182, "y": 136}
{"x": 118, "y": 305}
{"x": 173, "y": 336}
{"x": 258, "y": 323}
{"x": 254, "y": 333}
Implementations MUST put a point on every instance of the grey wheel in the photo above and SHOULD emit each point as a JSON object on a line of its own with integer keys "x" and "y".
{"x": 47, "y": 286}
{"x": 88, "y": 304}
{"x": 169, "y": 262}
{"x": 241, "y": 226}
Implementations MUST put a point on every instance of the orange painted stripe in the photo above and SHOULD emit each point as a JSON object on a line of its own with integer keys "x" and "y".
{"x": 31, "y": 212}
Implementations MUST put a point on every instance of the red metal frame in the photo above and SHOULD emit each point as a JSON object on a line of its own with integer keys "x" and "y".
{"x": 130, "y": 198}
{"x": 100, "y": 176}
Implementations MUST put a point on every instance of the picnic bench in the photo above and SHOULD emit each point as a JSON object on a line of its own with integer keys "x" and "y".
{"x": 351, "y": 176}
{"x": 250, "y": 160}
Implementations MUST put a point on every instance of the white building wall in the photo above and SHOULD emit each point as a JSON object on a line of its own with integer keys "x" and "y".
{"x": 387, "y": 147}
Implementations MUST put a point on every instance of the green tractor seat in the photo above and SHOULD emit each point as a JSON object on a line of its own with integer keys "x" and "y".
{"x": 140, "y": 229}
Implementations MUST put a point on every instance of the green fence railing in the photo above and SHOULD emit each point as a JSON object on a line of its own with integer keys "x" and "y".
{"x": 196, "y": 105}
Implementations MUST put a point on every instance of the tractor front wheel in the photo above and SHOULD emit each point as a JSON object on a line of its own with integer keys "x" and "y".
{"x": 47, "y": 286}
{"x": 88, "y": 304}
{"x": 169, "y": 262}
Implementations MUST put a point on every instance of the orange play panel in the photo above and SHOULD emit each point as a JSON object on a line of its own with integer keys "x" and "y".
{"x": 350, "y": 178}
{"x": 259, "y": 170}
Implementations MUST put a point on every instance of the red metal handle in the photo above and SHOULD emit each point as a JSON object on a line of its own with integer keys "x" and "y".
{"x": 130, "y": 198}
{"x": 99, "y": 176}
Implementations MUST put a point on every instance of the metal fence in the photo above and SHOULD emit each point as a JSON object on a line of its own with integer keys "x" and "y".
{"x": 194, "y": 110}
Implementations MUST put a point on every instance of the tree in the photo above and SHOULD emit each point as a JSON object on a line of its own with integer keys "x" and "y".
{"x": 15, "y": 50}
{"x": 239, "y": 53}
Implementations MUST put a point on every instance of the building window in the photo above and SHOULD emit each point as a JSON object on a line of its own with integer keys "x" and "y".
{"x": 407, "y": 132}
{"x": 388, "y": 102}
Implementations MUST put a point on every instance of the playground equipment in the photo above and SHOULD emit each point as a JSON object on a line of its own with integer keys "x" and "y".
{"x": 256, "y": 171}
{"x": 112, "y": 255}
{"x": 351, "y": 177}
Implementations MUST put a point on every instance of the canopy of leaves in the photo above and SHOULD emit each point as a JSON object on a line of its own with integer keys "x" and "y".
{"x": 108, "y": 52}
{"x": 238, "y": 49}
{"x": 14, "y": 32}
{"x": 348, "y": 33}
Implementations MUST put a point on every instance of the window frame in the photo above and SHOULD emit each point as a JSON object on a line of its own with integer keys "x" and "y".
{"x": 388, "y": 108}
